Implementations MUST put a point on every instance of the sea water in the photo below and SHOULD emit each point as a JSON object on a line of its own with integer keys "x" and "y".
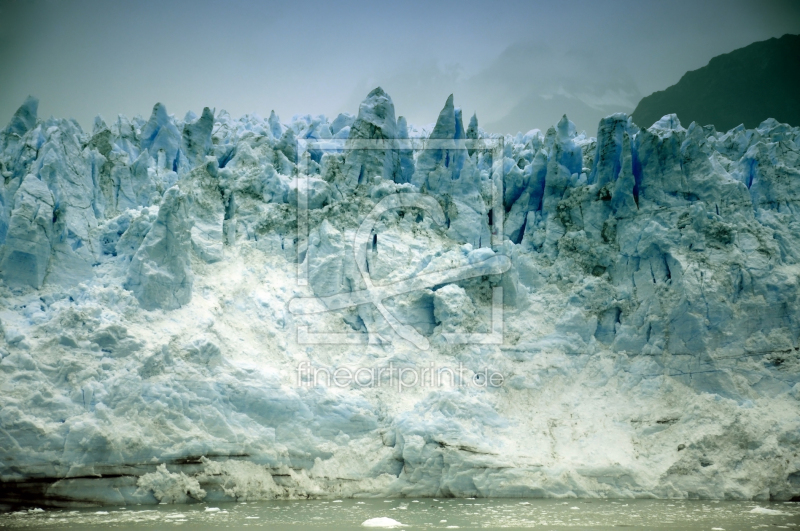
{"x": 422, "y": 513}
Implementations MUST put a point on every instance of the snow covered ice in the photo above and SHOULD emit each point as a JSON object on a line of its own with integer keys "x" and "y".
{"x": 650, "y": 314}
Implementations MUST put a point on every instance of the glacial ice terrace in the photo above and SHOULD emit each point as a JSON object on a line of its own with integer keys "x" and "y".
{"x": 573, "y": 316}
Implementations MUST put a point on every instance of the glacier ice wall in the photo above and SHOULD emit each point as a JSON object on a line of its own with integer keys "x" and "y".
{"x": 650, "y": 314}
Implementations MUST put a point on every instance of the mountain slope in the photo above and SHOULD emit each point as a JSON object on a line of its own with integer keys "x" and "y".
{"x": 745, "y": 86}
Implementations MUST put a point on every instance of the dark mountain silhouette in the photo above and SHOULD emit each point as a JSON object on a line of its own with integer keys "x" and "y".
{"x": 745, "y": 86}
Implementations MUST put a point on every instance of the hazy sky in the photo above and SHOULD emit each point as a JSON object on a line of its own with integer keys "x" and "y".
{"x": 518, "y": 65}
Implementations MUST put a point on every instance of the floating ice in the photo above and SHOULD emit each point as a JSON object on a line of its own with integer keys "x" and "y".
{"x": 382, "y": 521}
{"x": 770, "y": 512}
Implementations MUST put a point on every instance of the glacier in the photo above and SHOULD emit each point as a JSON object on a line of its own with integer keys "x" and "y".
{"x": 152, "y": 270}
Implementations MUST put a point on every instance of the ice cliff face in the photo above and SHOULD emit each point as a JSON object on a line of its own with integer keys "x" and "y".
{"x": 158, "y": 295}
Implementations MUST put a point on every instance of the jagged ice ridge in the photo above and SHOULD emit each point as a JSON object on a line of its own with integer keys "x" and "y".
{"x": 650, "y": 312}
